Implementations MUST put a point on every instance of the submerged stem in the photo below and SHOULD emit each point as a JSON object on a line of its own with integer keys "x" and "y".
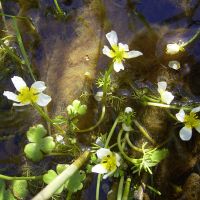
{"x": 98, "y": 186}
{"x": 197, "y": 34}
{"x": 161, "y": 105}
{"x": 11, "y": 178}
{"x": 131, "y": 144}
{"x": 126, "y": 189}
{"x": 120, "y": 188}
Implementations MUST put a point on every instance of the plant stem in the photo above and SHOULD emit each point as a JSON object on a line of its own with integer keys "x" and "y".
{"x": 121, "y": 148}
{"x": 126, "y": 189}
{"x": 197, "y": 34}
{"x": 120, "y": 188}
{"x": 161, "y": 105}
{"x": 98, "y": 186}
{"x": 23, "y": 51}
{"x": 11, "y": 178}
{"x": 97, "y": 124}
{"x": 60, "y": 12}
{"x": 131, "y": 144}
{"x": 144, "y": 131}
{"x": 46, "y": 117}
{"x": 111, "y": 132}
{"x": 52, "y": 187}
{"x": 69, "y": 195}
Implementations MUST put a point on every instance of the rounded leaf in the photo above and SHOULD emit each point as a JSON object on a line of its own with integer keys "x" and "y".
{"x": 20, "y": 189}
{"x": 82, "y": 109}
{"x": 33, "y": 152}
{"x": 47, "y": 144}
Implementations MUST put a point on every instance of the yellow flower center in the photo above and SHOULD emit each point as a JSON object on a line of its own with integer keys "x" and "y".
{"x": 191, "y": 120}
{"x": 28, "y": 95}
{"x": 109, "y": 162}
{"x": 118, "y": 54}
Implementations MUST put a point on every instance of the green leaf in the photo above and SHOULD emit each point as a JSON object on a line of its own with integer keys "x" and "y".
{"x": 76, "y": 104}
{"x": 5, "y": 194}
{"x": 50, "y": 176}
{"x": 82, "y": 109}
{"x": 59, "y": 120}
{"x": 33, "y": 152}
{"x": 47, "y": 144}
{"x": 20, "y": 188}
{"x": 60, "y": 168}
{"x": 35, "y": 133}
{"x": 159, "y": 155}
{"x": 75, "y": 182}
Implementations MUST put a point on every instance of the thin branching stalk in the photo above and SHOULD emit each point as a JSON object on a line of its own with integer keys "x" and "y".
{"x": 144, "y": 131}
{"x": 197, "y": 34}
{"x": 126, "y": 189}
{"x": 52, "y": 187}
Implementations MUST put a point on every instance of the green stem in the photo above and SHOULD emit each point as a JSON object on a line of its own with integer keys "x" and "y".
{"x": 161, "y": 105}
{"x": 126, "y": 189}
{"x": 57, "y": 154}
{"x": 69, "y": 195}
{"x": 120, "y": 188}
{"x": 121, "y": 148}
{"x": 60, "y": 12}
{"x": 98, "y": 186}
{"x": 144, "y": 131}
{"x": 111, "y": 132}
{"x": 11, "y": 178}
{"x": 131, "y": 144}
{"x": 23, "y": 51}
{"x": 46, "y": 117}
{"x": 97, "y": 124}
{"x": 53, "y": 186}
{"x": 197, "y": 34}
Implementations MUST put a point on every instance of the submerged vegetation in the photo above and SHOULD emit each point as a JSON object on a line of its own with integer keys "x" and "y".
{"x": 109, "y": 116}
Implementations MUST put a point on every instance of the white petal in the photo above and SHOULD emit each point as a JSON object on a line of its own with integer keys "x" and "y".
{"x": 18, "y": 82}
{"x": 118, "y": 158}
{"x": 195, "y": 110}
{"x": 107, "y": 51}
{"x": 100, "y": 169}
{"x": 98, "y": 96}
{"x": 11, "y": 96}
{"x": 128, "y": 110}
{"x": 162, "y": 86}
{"x": 123, "y": 47}
{"x": 108, "y": 174}
{"x": 103, "y": 152}
{"x": 112, "y": 38}
{"x": 198, "y": 128}
{"x": 126, "y": 128}
{"x": 118, "y": 66}
{"x": 43, "y": 99}
{"x": 180, "y": 115}
{"x": 39, "y": 86}
{"x": 20, "y": 104}
{"x": 167, "y": 97}
{"x": 185, "y": 133}
{"x": 133, "y": 54}
{"x": 172, "y": 48}
{"x": 174, "y": 64}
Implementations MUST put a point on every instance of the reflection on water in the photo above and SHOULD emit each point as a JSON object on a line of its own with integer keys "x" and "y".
{"x": 62, "y": 51}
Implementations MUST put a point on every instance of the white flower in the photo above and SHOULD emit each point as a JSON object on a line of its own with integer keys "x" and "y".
{"x": 98, "y": 96}
{"x": 109, "y": 161}
{"x": 59, "y": 139}
{"x": 119, "y": 51}
{"x": 126, "y": 125}
{"x": 174, "y": 64}
{"x": 28, "y": 95}
{"x": 174, "y": 48}
{"x": 166, "y": 97}
{"x": 190, "y": 121}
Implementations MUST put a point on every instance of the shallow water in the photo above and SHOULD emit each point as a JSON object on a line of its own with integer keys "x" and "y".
{"x": 61, "y": 51}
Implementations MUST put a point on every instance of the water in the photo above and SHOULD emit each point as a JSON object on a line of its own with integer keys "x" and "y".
{"x": 62, "y": 51}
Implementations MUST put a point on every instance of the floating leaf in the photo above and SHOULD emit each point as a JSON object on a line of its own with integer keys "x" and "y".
{"x": 76, "y": 108}
{"x": 20, "y": 188}
{"x": 38, "y": 143}
{"x": 5, "y": 194}
{"x": 159, "y": 155}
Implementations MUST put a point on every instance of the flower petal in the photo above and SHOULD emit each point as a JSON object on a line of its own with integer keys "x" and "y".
{"x": 20, "y": 104}
{"x": 174, "y": 64}
{"x": 162, "y": 86}
{"x": 185, "y": 133}
{"x": 118, "y": 66}
{"x": 128, "y": 110}
{"x": 123, "y": 47}
{"x": 11, "y": 96}
{"x": 100, "y": 169}
{"x": 180, "y": 115}
{"x": 98, "y": 96}
{"x": 198, "y": 128}
{"x": 133, "y": 54}
{"x": 167, "y": 97}
{"x": 106, "y": 51}
{"x": 39, "y": 86}
{"x": 118, "y": 158}
{"x": 195, "y": 110}
{"x": 108, "y": 174}
{"x": 43, "y": 99}
{"x": 172, "y": 48}
{"x": 18, "y": 82}
{"x": 103, "y": 152}
{"x": 112, "y": 38}
{"x": 126, "y": 128}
